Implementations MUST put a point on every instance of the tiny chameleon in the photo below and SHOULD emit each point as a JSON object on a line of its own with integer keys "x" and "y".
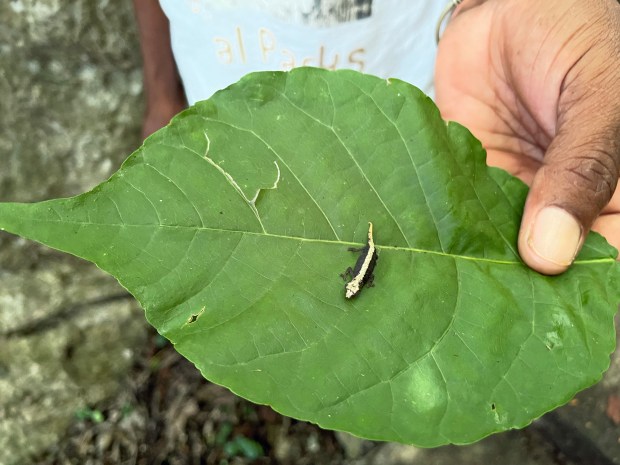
{"x": 362, "y": 275}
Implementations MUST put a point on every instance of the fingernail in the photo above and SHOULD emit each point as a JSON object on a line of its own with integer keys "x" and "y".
{"x": 555, "y": 236}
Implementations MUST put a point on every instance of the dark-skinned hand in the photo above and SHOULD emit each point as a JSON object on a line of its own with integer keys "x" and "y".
{"x": 538, "y": 82}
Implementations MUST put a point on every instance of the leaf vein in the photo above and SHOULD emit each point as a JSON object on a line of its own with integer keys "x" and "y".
{"x": 354, "y": 160}
{"x": 270, "y": 148}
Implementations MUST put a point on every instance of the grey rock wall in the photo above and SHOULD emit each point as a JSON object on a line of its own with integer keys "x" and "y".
{"x": 70, "y": 113}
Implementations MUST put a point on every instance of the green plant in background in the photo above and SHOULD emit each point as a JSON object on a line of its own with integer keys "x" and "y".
{"x": 231, "y": 228}
{"x": 88, "y": 414}
{"x": 245, "y": 447}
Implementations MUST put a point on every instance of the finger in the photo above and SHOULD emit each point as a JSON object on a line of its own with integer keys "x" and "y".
{"x": 518, "y": 165}
{"x": 609, "y": 226}
{"x": 467, "y": 5}
{"x": 576, "y": 182}
{"x": 582, "y": 164}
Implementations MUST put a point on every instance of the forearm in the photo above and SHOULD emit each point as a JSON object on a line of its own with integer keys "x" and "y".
{"x": 162, "y": 85}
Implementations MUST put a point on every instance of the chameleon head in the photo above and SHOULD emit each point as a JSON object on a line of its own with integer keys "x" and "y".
{"x": 351, "y": 289}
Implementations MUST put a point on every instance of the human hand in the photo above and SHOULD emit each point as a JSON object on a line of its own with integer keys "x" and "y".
{"x": 539, "y": 84}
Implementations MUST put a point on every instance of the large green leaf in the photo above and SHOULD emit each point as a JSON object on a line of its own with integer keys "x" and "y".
{"x": 231, "y": 227}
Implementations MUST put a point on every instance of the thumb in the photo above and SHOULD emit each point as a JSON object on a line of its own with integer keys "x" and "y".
{"x": 582, "y": 163}
{"x": 578, "y": 178}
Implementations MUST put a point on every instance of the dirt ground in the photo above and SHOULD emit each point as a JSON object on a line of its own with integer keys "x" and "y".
{"x": 169, "y": 414}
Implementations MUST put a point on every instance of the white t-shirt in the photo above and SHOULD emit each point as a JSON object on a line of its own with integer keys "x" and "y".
{"x": 216, "y": 42}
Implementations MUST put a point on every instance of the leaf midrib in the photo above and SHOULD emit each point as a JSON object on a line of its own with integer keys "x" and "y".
{"x": 314, "y": 240}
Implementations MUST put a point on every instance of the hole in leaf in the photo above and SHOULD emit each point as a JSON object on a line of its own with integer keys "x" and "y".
{"x": 194, "y": 316}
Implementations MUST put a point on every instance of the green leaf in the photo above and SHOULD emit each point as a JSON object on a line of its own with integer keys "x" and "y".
{"x": 231, "y": 227}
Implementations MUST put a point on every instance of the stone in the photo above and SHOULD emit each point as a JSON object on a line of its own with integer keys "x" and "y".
{"x": 510, "y": 448}
{"x": 70, "y": 113}
{"x": 68, "y": 338}
{"x": 353, "y": 446}
{"x": 71, "y": 87}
